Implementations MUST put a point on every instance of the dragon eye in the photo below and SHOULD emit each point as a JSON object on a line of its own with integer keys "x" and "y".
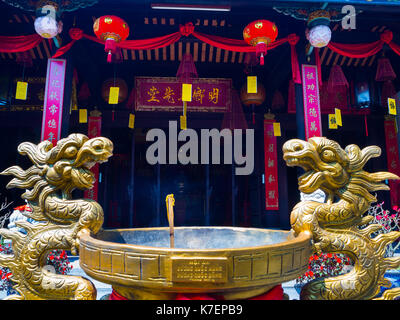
{"x": 328, "y": 156}
{"x": 98, "y": 146}
{"x": 70, "y": 151}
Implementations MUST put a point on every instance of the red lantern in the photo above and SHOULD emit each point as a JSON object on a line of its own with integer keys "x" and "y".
{"x": 260, "y": 34}
{"x": 112, "y": 30}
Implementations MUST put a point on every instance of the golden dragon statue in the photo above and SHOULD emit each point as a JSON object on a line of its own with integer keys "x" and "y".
{"x": 49, "y": 182}
{"x": 339, "y": 225}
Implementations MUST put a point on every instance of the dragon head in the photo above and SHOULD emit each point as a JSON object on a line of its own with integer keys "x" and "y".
{"x": 325, "y": 163}
{"x": 63, "y": 167}
{"x": 334, "y": 170}
{"x": 73, "y": 157}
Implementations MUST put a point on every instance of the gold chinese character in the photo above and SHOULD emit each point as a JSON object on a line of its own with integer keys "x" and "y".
{"x": 213, "y": 96}
{"x": 153, "y": 91}
{"x": 198, "y": 95}
{"x": 310, "y": 75}
{"x": 168, "y": 95}
{"x": 271, "y": 163}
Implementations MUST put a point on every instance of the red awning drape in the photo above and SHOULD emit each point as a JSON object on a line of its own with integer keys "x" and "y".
{"x": 186, "y": 30}
{"x": 19, "y": 43}
{"x": 24, "y": 43}
{"x": 359, "y": 50}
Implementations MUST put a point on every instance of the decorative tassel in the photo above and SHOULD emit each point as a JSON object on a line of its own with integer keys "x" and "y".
{"x": 109, "y": 57}
{"x": 110, "y": 47}
{"x": 366, "y": 125}
{"x": 262, "y": 59}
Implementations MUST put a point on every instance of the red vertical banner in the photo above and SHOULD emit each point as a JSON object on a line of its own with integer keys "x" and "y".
{"x": 53, "y": 100}
{"x": 271, "y": 166}
{"x": 312, "y": 112}
{"x": 393, "y": 161}
{"x": 94, "y": 130}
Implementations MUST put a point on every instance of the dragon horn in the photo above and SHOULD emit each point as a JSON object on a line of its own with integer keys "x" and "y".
{"x": 358, "y": 158}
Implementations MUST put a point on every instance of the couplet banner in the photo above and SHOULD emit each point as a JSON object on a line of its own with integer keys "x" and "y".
{"x": 393, "y": 161}
{"x": 312, "y": 111}
{"x": 94, "y": 130}
{"x": 165, "y": 94}
{"x": 271, "y": 168}
{"x": 53, "y": 100}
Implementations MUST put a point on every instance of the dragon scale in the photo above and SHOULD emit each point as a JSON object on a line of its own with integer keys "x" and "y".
{"x": 49, "y": 183}
{"x": 338, "y": 226}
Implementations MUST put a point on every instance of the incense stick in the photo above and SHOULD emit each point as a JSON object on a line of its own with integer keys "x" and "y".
{"x": 170, "y": 202}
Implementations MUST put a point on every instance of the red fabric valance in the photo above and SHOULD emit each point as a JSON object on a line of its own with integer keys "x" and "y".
{"x": 186, "y": 30}
{"x": 19, "y": 43}
{"x": 24, "y": 43}
{"x": 364, "y": 50}
{"x": 360, "y": 50}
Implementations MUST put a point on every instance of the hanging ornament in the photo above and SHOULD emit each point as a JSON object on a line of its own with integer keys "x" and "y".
{"x": 278, "y": 102}
{"x": 337, "y": 79}
{"x": 260, "y": 34}
{"x": 388, "y": 91}
{"x": 291, "y": 97}
{"x": 25, "y": 59}
{"x": 112, "y": 30}
{"x": 47, "y": 23}
{"x": 187, "y": 69}
{"x": 385, "y": 73}
{"x": 384, "y": 70}
{"x": 318, "y": 32}
{"x": 234, "y": 119}
{"x": 253, "y": 99}
{"x": 84, "y": 92}
{"x": 114, "y": 83}
{"x": 186, "y": 72}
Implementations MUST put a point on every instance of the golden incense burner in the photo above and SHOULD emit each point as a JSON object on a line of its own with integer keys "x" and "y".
{"x": 159, "y": 263}
{"x": 233, "y": 262}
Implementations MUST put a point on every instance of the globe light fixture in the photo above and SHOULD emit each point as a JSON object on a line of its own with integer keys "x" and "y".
{"x": 47, "y": 23}
{"x": 319, "y": 36}
{"x": 318, "y": 32}
{"x": 47, "y": 27}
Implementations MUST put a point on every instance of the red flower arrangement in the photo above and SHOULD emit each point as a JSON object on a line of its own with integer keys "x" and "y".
{"x": 325, "y": 265}
{"x": 57, "y": 260}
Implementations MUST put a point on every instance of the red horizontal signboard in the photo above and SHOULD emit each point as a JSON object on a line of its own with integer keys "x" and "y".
{"x": 165, "y": 94}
